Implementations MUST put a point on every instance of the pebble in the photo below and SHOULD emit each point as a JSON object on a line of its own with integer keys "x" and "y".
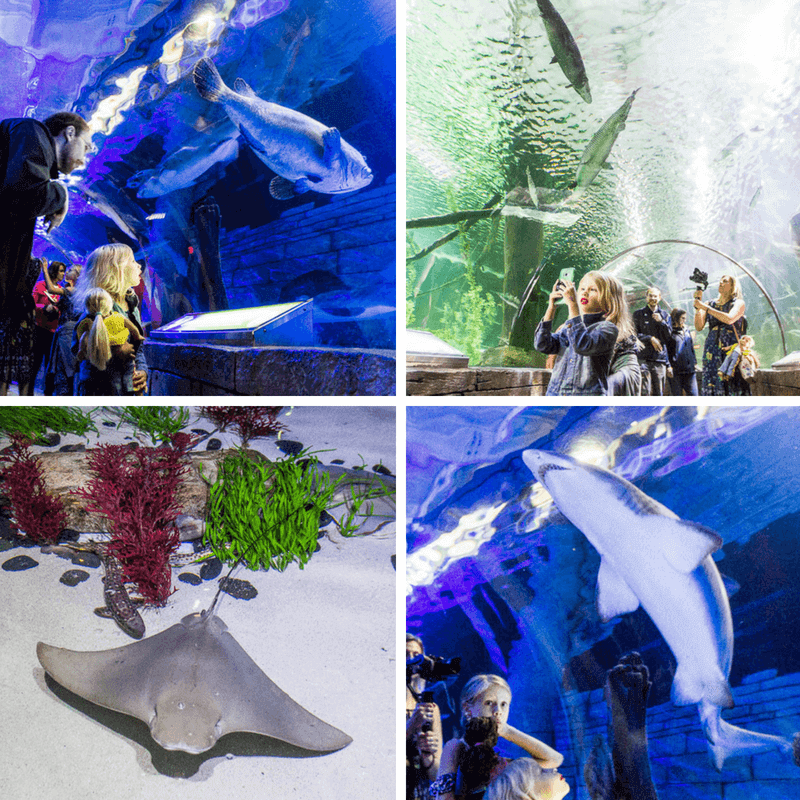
{"x": 109, "y": 424}
{"x": 69, "y": 535}
{"x": 51, "y": 440}
{"x": 214, "y": 444}
{"x": 86, "y": 560}
{"x": 19, "y": 563}
{"x": 72, "y": 448}
{"x": 337, "y": 461}
{"x": 200, "y": 431}
{"x": 241, "y": 590}
{"x": 325, "y": 519}
{"x": 289, "y": 447}
{"x": 379, "y": 468}
{"x": 211, "y": 569}
{"x": 72, "y": 577}
{"x": 190, "y": 577}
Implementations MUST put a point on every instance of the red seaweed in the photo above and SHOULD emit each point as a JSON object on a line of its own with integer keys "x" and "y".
{"x": 136, "y": 490}
{"x": 249, "y": 422}
{"x": 34, "y": 510}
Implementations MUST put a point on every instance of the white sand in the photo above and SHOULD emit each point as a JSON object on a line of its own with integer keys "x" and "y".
{"x": 325, "y": 635}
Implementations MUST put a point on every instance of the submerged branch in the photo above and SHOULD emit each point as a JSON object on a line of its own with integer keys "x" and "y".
{"x": 448, "y": 218}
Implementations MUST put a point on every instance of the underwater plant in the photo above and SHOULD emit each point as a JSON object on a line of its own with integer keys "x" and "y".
{"x": 266, "y": 514}
{"x": 41, "y": 515}
{"x": 161, "y": 423}
{"x": 33, "y": 422}
{"x": 136, "y": 489}
{"x": 249, "y": 422}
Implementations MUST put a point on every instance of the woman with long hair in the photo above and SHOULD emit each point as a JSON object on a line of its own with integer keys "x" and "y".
{"x": 726, "y": 323}
{"x": 111, "y": 267}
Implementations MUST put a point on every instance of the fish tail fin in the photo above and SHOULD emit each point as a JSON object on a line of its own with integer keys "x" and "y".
{"x": 208, "y": 81}
{"x": 726, "y": 740}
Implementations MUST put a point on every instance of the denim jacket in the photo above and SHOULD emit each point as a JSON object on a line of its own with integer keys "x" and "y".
{"x": 584, "y": 346}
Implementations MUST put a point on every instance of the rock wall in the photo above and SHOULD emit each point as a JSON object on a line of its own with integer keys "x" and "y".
{"x": 344, "y": 250}
{"x": 765, "y": 702}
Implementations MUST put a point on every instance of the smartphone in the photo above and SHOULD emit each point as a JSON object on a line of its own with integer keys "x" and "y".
{"x": 566, "y": 274}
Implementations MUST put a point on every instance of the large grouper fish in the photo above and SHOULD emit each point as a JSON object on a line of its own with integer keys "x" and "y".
{"x": 307, "y": 155}
{"x": 651, "y": 557}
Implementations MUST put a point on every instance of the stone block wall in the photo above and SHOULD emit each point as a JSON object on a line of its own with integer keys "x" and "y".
{"x": 765, "y": 702}
{"x": 352, "y": 237}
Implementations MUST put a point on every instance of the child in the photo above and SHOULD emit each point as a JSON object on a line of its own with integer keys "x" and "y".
{"x": 464, "y": 773}
{"x": 743, "y": 349}
{"x": 105, "y": 334}
{"x": 682, "y": 359}
{"x": 585, "y": 343}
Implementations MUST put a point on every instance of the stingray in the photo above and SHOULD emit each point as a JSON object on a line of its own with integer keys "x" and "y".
{"x": 191, "y": 684}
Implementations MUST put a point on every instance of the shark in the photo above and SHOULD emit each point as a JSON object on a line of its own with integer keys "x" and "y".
{"x": 652, "y": 558}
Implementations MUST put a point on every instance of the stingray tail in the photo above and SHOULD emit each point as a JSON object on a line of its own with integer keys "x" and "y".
{"x": 726, "y": 740}
{"x": 208, "y": 81}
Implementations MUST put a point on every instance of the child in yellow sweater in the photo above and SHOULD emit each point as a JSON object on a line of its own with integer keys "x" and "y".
{"x": 106, "y": 334}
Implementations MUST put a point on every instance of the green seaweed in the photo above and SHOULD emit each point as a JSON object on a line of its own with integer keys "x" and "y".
{"x": 266, "y": 514}
{"x": 33, "y": 422}
{"x": 160, "y": 423}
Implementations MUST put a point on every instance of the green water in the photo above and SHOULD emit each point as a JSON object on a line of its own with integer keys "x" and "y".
{"x": 710, "y": 154}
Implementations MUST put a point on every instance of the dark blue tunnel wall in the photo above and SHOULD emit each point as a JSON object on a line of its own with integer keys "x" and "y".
{"x": 342, "y": 253}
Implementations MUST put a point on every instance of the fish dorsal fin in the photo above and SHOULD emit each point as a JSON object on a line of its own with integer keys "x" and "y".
{"x": 685, "y": 544}
{"x": 614, "y": 596}
{"x": 332, "y": 144}
{"x": 244, "y": 88}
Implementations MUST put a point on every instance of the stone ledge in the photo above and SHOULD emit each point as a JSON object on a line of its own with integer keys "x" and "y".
{"x": 476, "y": 381}
{"x": 200, "y": 369}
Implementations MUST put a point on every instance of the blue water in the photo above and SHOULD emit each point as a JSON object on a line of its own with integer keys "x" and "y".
{"x": 497, "y": 576}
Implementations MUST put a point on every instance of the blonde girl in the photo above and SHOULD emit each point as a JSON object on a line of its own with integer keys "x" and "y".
{"x": 488, "y": 697}
{"x": 113, "y": 268}
{"x": 598, "y": 317}
{"x": 109, "y": 333}
{"x": 524, "y": 779}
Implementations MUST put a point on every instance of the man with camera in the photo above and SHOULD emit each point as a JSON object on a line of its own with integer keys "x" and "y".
{"x": 423, "y": 724}
{"x": 654, "y": 332}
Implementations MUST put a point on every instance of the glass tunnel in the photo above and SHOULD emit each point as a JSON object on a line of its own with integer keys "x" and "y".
{"x": 684, "y": 157}
{"x": 521, "y": 573}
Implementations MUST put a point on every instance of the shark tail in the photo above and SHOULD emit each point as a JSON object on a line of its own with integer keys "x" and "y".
{"x": 208, "y": 81}
{"x": 726, "y": 740}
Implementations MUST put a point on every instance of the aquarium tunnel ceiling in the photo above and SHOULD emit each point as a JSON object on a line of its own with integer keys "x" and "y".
{"x": 126, "y": 67}
{"x": 708, "y": 154}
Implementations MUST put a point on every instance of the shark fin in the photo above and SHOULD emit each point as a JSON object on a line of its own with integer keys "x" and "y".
{"x": 614, "y": 596}
{"x": 332, "y": 143}
{"x": 685, "y": 544}
{"x": 244, "y": 88}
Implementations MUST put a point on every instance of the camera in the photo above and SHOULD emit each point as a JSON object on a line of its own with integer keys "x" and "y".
{"x": 432, "y": 668}
{"x": 700, "y": 278}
